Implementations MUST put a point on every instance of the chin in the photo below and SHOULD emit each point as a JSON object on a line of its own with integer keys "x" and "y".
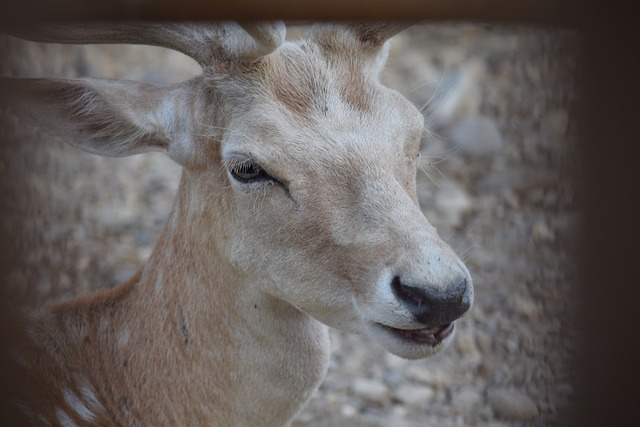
{"x": 412, "y": 343}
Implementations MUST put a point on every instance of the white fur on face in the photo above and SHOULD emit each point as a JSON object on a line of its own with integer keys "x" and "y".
{"x": 340, "y": 219}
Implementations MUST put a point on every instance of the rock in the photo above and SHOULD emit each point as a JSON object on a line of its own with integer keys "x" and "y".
{"x": 484, "y": 341}
{"x": 540, "y": 232}
{"x": 372, "y": 390}
{"x": 556, "y": 122}
{"x": 487, "y": 366}
{"x": 465, "y": 339}
{"x": 476, "y": 137}
{"x": 524, "y": 306}
{"x": 565, "y": 389}
{"x": 512, "y": 345}
{"x": 414, "y": 394}
{"x": 468, "y": 397}
{"x": 453, "y": 202}
{"x": 398, "y": 417}
{"x": 394, "y": 362}
{"x": 469, "y": 400}
{"x": 465, "y": 343}
{"x": 144, "y": 252}
{"x": 304, "y": 418}
{"x": 560, "y": 397}
{"x": 535, "y": 195}
{"x": 511, "y": 199}
{"x": 348, "y": 411}
{"x": 512, "y": 404}
{"x": 432, "y": 377}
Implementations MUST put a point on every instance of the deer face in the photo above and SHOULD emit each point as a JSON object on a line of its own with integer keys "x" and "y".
{"x": 326, "y": 215}
{"x": 307, "y": 160}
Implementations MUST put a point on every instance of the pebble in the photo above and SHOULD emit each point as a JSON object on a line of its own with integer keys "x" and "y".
{"x": 371, "y": 390}
{"x": 144, "y": 252}
{"x": 512, "y": 404}
{"x": 348, "y": 411}
{"x": 466, "y": 344}
{"x": 511, "y": 199}
{"x": 453, "y": 202}
{"x": 464, "y": 341}
{"x": 397, "y": 417}
{"x": 414, "y": 394}
{"x": 565, "y": 389}
{"x": 395, "y": 362}
{"x": 524, "y": 306}
{"x": 540, "y": 232}
{"x": 556, "y": 122}
{"x": 487, "y": 366}
{"x": 432, "y": 377}
{"x": 484, "y": 341}
{"x": 512, "y": 345}
{"x": 476, "y": 137}
{"x": 469, "y": 400}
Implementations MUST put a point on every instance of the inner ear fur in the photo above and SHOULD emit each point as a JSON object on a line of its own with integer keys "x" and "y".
{"x": 105, "y": 117}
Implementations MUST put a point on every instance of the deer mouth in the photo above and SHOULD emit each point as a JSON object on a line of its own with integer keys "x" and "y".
{"x": 431, "y": 336}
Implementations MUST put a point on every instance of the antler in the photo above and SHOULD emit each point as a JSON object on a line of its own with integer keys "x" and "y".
{"x": 361, "y": 36}
{"x": 376, "y": 33}
{"x": 213, "y": 45}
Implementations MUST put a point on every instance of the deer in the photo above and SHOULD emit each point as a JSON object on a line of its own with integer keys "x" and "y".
{"x": 296, "y": 212}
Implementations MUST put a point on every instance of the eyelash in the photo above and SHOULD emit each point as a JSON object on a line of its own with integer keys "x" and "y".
{"x": 246, "y": 171}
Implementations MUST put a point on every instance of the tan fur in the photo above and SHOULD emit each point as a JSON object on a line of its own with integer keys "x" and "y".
{"x": 226, "y": 323}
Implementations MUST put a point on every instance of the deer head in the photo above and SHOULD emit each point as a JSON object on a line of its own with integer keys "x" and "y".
{"x": 299, "y": 169}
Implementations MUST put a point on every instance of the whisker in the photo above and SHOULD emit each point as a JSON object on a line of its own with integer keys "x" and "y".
{"x": 449, "y": 236}
{"x": 421, "y": 168}
{"x": 429, "y": 83}
{"x": 437, "y": 94}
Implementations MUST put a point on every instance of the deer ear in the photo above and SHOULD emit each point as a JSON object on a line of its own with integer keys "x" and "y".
{"x": 109, "y": 118}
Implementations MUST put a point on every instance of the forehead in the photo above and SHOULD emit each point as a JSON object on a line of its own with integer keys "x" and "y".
{"x": 308, "y": 102}
{"x": 308, "y": 80}
{"x": 270, "y": 133}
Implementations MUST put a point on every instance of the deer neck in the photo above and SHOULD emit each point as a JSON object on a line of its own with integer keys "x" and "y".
{"x": 221, "y": 326}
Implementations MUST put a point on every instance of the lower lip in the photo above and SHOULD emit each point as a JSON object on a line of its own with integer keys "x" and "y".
{"x": 430, "y": 336}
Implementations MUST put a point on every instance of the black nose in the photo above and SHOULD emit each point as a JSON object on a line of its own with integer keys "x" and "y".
{"x": 434, "y": 307}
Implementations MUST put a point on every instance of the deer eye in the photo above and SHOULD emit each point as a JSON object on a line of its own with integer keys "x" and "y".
{"x": 247, "y": 171}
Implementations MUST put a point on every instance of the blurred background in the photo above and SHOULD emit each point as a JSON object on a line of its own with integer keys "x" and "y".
{"x": 498, "y": 175}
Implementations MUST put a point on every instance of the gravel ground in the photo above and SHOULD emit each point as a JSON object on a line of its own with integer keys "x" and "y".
{"x": 499, "y": 164}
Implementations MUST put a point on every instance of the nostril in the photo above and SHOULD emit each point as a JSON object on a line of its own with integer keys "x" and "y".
{"x": 434, "y": 307}
{"x": 408, "y": 294}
